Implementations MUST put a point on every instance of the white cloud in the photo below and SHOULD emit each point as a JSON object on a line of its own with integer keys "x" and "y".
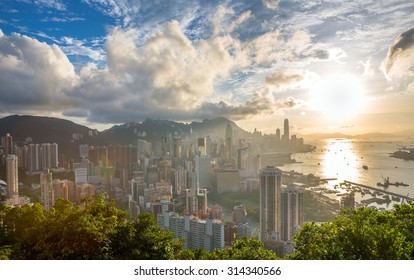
{"x": 62, "y": 19}
{"x": 54, "y": 4}
{"x": 33, "y": 74}
{"x": 73, "y": 46}
{"x": 271, "y": 4}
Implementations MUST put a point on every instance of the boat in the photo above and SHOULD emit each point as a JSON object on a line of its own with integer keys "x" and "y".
{"x": 365, "y": 167}
{"x": 384, "y": 184}
{"x": 401, "y": 184}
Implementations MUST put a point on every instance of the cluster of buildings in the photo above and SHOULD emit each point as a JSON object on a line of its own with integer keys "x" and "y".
{"x": 281, "y": 211}
{"x": 172, "y": 179}
{"x": 35, "y": 158}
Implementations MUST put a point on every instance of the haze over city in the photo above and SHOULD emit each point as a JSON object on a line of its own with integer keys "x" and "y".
{"x": 327, "y": 66}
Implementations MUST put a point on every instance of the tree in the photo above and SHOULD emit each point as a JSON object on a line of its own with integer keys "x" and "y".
{"x": 245, "y": 249}
{"x": 363, "y": 233}
{"x": 144, "y": 240}
{"x": 64, "y": 232}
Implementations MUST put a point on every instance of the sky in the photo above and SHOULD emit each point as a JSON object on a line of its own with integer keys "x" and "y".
{"x": 327, "y": 66}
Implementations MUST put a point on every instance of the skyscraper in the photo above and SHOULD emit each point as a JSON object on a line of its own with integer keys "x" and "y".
{"x": 277, "y": 135}
{"x": 12, "y": 177}
{"x": 8, "y": 144}
{"x": 286, "y": 135}
{"x": 270, "y": 196}
{"x": 291, "y": 212}
{"x": 46, "y": 190}
{"x": 229, "y": 136}
{"x": 177, "y": 146}
{"x": 202, "y": 146}
{"x": 203, "y": 170}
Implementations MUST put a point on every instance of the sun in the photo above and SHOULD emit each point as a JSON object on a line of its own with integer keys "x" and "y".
{"x": 338, "y": 96}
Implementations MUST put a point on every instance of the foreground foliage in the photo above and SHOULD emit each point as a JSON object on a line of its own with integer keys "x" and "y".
{"x": 98, "y": 230}
{"x": 365, "y": 234}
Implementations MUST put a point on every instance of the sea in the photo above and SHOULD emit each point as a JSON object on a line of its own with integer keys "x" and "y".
{"x": 344, "y": 159}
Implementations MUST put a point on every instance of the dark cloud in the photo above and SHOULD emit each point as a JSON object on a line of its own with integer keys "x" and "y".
{"x": 400, "y": 57}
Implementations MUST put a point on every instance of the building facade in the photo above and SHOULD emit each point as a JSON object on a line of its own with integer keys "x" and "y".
{"x": 270, "y": 203}
{"x": 12, "y": 176}
{"x": 291, "y": 212}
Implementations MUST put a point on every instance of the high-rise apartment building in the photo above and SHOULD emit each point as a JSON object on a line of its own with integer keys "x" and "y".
{"x": 277, "y": 135}
{"x": 291, "y": 212}
{"x": 229, "y": 139}
{"x": 239, "y": 214}
{"x": 202, "y": 146}
{"x": 8, "y": 144}
{"x": 84, "y": 150}
{"x": 177, "y": 147}
{"x": 46, "y": 190}
{"x": 195, "y": 198}
{"x": 203, "y": 170}
{"x": 164, "y": 170}
{"x": 196, "y": 233}
{"x": 270, "y": 203}
{"x": 12, "y": 176}
{"x": 179, "y": 180}
{"x": 42, "y": 157}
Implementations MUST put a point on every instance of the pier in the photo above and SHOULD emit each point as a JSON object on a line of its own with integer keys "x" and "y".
{"x": 380, "y": 190}
{"x": 328, "y": 179}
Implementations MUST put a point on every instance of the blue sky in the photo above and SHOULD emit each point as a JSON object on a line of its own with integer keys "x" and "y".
{"x": 325, "y": 65}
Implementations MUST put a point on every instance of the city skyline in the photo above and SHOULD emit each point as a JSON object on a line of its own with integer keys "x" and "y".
{"x": 331, "y": 66}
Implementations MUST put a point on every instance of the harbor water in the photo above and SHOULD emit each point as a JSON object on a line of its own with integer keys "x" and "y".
{"x": 363, "y": 162}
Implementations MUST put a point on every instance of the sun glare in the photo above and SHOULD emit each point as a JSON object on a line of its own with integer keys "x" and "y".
{"x": 340, "y": 96}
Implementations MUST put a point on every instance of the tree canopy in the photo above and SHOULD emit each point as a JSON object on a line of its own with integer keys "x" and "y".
{"x": 98, "y": 230}
{"x": 361, "y": 234}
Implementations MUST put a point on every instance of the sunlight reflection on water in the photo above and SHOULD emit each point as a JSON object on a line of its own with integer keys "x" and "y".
{"x": 340, "y": 161}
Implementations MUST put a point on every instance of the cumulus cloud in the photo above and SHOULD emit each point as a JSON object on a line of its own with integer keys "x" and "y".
{"x": 284, "y": 79}
{"x": 168, "y": 75}
{"x": 33, "y": 74}
{"x": 261, "y": 103}
{"x": 165, "y": 75}
{"x": 400, "y": 57}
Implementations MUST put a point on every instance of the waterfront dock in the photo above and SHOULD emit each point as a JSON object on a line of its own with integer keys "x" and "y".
{"x": 380, "y": 190}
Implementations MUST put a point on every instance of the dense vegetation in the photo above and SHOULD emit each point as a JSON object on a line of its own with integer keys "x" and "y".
{"x": 98, "y": 230}
{"x": 361, "y": 234}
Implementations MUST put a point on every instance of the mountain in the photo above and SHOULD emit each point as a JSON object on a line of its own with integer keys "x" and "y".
{"x": 326, "y": 135}
{"x": 153, "y": 130}
{"x": 377, "y": 135}
{"x": 60, "y": 131}
{"x": 48, "y": 130}
{"x": 40, "y": 129}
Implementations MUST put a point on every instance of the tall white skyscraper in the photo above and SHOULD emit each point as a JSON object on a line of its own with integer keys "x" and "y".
{"x": 270, "y": 195}
{"x": 12, "y": 176}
